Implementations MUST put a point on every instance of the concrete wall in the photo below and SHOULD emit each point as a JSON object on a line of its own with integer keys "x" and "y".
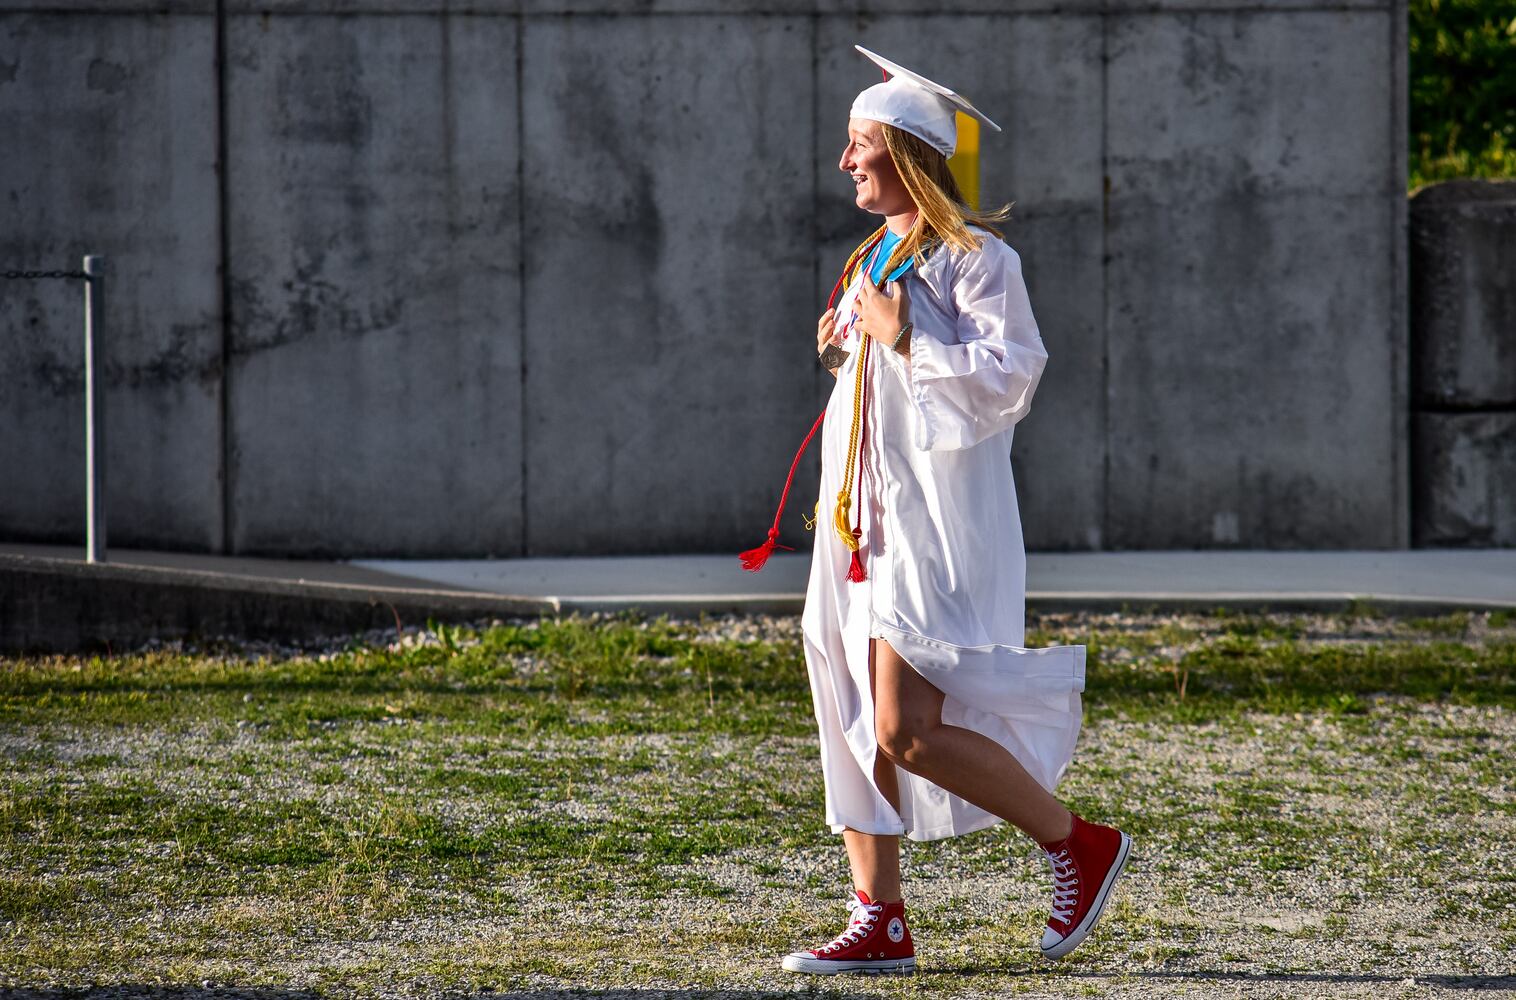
{"x": 542, "y": 277}
{"x": 374, "y": 278}
{"x": 1463, "y": 305}
{"x": 108, "y": 131}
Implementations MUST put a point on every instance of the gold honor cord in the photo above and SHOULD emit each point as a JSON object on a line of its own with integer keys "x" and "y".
{"x": 842, "y": 513}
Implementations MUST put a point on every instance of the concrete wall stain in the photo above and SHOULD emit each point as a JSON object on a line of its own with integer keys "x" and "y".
{"x": 314, "y": 307}
{"x": 320, "y": 96}
{"x": 106, "y": 76}
{"x": 186, "y": 354}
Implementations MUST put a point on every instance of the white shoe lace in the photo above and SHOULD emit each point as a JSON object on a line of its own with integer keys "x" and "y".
{"x": 1065, "y": 886}
{"x": 861, "y": 917}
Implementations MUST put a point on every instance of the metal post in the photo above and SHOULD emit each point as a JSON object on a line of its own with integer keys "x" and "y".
{"x": 94, "y": 406}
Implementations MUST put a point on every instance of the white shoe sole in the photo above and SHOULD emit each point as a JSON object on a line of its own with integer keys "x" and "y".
{"x": 801, "y": 962}
{"x": 1071, "y": 940}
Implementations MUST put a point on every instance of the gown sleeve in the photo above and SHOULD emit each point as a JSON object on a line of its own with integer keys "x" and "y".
{"x": 979, "y": 380}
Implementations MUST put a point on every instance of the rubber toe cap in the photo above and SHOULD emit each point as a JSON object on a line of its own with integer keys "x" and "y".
{"x": 1050, "y": 938}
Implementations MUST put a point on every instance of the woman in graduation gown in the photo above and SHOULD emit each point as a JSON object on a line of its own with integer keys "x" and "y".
{"x": 934, "y": 719}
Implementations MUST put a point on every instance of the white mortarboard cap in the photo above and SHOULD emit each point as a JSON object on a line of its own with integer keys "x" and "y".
{"x": 911, "y": 102}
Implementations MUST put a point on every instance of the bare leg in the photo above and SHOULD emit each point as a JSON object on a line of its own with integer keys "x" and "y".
{"x": 874, "y": 858}
{"x": 875, "y": 861}
{"x": 908, "y": 722}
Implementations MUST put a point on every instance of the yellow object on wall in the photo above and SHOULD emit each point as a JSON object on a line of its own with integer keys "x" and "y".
{"x": 964, "y": 163}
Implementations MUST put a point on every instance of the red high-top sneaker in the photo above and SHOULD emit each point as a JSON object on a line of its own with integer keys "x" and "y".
{"x": 1085, "y": 866}
{"x": 876, "y": 940}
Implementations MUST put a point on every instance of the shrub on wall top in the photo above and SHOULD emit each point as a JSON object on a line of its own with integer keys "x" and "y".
{"x": 1463, "y": 89}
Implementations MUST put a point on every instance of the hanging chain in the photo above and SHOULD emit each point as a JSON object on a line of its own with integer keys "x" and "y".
{"x": 29, "y": 275}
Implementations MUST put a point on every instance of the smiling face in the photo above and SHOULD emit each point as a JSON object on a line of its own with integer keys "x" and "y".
{"x": 876, "y": 183}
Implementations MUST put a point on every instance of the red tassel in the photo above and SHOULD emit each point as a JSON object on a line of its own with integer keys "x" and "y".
{"x": 753, "y": 559}
{"x": 855, "y": 571}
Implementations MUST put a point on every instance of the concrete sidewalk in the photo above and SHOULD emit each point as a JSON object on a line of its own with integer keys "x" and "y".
{"x": 1468, "y": 578}
{"x": 50, "y": 599}
{"x": 1452, "y": 577}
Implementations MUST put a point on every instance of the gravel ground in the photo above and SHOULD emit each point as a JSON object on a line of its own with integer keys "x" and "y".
{"x": 1280, "y": 856}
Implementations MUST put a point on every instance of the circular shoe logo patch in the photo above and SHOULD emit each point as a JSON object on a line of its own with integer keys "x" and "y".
{"x": 896, "y": 930}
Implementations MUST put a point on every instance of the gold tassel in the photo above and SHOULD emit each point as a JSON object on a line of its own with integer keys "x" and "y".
{"x": 841, "y": 514}
{"x": 842, "y": 521}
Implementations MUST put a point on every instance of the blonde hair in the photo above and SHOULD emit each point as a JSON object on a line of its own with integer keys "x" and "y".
{"x": 942, "y": 215}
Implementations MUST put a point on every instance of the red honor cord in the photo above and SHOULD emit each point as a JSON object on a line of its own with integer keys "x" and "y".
{"x": 754, "y": 559}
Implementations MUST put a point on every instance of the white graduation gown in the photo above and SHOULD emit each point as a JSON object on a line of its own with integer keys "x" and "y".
{"x": 941, "y": 545}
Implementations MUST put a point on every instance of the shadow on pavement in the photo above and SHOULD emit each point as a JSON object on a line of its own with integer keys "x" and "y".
{"x": 1442, "y": 981}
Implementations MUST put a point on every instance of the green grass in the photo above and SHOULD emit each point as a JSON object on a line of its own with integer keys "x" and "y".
{"x": 560, "y": 677}
{"x": 592, "y": 803}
